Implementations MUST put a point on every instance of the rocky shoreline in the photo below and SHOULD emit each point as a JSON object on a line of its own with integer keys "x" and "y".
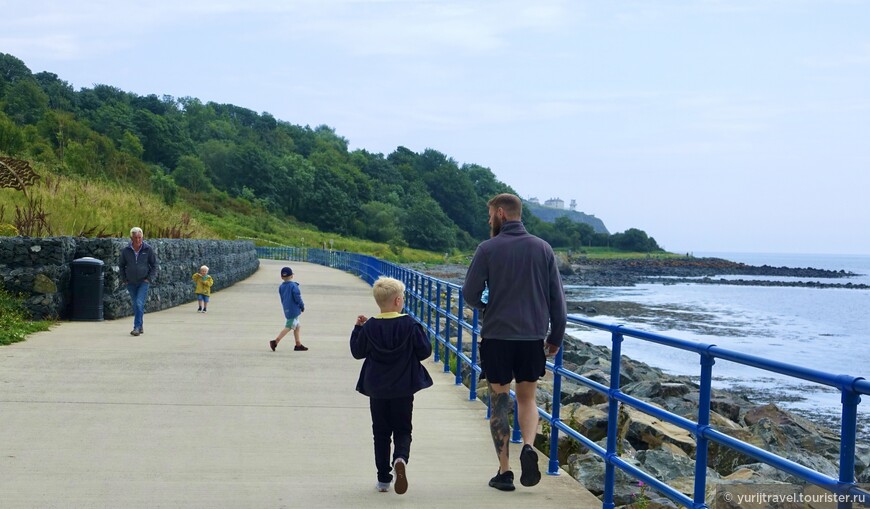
{"x": 626, "y": 272}
{"x": 583, "y": 271}
{"x": 667, "y": 451}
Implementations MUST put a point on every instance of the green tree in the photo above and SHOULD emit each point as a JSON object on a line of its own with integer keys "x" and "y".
{"x": 163, "y": 185}
{"x": 190, "y": 175}
{"x": 25, "y": 102}
{"x": 12, "y": 70}
{"x": 381, "y": 221}
{"x": 61, "y": 95}
{"x": 426, "y": 226}
{"x": 11, "y": 136}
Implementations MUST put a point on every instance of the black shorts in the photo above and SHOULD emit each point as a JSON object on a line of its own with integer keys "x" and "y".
{"x": 505, "y": 360}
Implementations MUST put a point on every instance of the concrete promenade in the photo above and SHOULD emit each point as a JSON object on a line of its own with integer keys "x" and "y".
{"x": 199, "y": 413}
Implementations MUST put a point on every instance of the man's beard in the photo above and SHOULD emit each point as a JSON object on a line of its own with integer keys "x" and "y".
{"x": 495, "y": 227}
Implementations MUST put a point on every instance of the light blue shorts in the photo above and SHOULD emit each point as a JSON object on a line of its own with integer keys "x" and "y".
{"x": 201, "y": 297}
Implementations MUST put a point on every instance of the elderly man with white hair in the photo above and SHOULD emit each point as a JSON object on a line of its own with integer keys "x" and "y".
{"x": 138, "y": 267}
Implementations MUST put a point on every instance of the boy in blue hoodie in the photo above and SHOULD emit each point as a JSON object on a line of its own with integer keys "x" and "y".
{"x": 392, "y": 344}
{"x": 291, "y": 301}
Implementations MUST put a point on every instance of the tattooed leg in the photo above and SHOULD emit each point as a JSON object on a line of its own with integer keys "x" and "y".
{"x": 499, "y": 423}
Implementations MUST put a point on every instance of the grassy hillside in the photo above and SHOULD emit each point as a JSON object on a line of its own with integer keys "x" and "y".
{"x": 61, "y": 205}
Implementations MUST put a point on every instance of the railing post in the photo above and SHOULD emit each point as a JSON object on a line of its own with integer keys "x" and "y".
{"x": 556, "y": 412}
{"x": 517, "y": 434}
{"x": 612, "y": 418}
{"x": 704, "y": 394}
{"x": 473, "y": 382}
{"x": 848, "y": 427}
{"x": 437, "y": 357}
{"x": 460, "y": 316}
{"x": 447, "y": 329}
{"x": 429, "y": 307}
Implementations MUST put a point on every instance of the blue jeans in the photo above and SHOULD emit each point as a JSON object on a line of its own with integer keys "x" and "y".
{"x": 138, "y": 292}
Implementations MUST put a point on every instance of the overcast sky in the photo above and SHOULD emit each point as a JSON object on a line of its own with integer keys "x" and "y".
{"x": 713, "y": 125}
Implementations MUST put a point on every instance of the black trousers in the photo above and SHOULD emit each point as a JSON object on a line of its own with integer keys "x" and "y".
{"x": 391, "y": 419}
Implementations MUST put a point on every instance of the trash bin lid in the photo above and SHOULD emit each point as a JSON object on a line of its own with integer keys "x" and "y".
{"x": 87, "y": 260}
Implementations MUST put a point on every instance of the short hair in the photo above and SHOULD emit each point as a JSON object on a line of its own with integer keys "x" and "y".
{"x": 135, "y": 230}
{"x": 386, "y": 289}
{"x": 204, "y": 267}
{"x": 510, "y": 203}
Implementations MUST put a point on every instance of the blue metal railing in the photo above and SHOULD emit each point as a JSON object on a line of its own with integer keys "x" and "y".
{"x": 438, "y": 305}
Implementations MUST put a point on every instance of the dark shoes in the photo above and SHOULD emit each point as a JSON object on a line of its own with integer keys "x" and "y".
{"x": 135, "y": 332}
{"x": 401, "y": 485}
{"x": 529, "y": 462}
{"x": 299, "y": 348}
{"x": 503, "y": 482}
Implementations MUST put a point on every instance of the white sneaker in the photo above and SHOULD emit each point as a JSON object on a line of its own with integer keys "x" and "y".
{"x": 383, "y": 487}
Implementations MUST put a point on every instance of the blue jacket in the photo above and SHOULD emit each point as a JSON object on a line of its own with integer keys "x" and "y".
{"x": 525, "y": 288}
{"x": 135, "y": 269}
{"x": 291, "y": 299}
{"x": 392, "y": 345}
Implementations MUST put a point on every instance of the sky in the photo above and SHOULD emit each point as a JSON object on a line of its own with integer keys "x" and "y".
{"x": 712, "y": 125}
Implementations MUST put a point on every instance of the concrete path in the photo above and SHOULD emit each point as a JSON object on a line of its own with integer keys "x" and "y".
{"x": 199, "y": 413}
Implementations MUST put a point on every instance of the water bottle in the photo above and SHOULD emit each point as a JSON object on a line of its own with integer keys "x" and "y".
{"x": 484, "y": 297}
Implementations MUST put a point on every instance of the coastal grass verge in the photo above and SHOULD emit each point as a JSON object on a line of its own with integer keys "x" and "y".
{"x": 14, "y": 322}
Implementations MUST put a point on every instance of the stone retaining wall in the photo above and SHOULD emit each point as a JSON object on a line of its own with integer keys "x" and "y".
{"x": 40, "y": 268}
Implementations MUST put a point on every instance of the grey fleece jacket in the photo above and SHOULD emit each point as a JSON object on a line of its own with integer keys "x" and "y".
{"x": 525, "y": 289}
{"x": 135, "y": 269}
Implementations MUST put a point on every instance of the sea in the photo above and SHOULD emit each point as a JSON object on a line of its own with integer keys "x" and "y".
{"x": 826, "y": 329}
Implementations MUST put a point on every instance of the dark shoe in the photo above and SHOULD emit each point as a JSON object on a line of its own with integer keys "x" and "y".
{"x": 141, "y": 331}
{"x": 300, "y": 348}
{"x": 503, "y": 482}
{"x": 529, "y": 462}
{"x": 199, "y": 310}
{"x": 205, "y": 310}
{"x": 273, "y": 344}
{"x": 401, "y": 485}
{"x": 134, "y": 332}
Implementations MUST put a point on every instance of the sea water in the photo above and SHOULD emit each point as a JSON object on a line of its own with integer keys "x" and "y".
{"x": 826, "y": 329}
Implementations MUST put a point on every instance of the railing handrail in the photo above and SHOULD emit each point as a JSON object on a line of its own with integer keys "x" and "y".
{"x": 431, "y": 311}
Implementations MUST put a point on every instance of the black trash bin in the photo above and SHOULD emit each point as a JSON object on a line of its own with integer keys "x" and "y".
{"x": 87, "y": 289}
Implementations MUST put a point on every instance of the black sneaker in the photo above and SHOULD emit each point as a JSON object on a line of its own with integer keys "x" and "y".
{"x": 503, "y": 482}
{"x": 273, "y": 344}
{"x": 529, "y": 461}
{"x": 134, "y": 332}
{"x": 300, "y": 348}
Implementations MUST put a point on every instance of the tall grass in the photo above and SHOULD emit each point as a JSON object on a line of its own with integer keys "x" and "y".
{"x": 76, "y": 206}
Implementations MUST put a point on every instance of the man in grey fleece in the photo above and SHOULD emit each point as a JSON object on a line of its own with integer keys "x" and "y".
{"x": 138, "y": 267}
{"x": 524, "y": 319}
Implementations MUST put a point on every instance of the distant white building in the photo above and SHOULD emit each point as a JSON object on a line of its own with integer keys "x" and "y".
{"x": 555, "y": 203}
{"x": 573, "y": 205}
{"x": 534, "y": 200}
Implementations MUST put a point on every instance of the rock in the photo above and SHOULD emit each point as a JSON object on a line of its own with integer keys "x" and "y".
{"x": 665, "y": 465}
{"x": 42, "y": 284}
{"x": 648, "y": 432}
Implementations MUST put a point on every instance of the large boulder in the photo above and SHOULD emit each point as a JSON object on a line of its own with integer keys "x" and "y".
{"x": 648, "y": 432}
